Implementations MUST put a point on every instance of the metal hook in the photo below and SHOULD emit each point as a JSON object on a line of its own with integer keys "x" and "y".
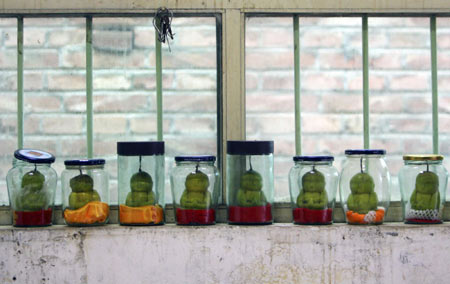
{"x": 162, "y": 23}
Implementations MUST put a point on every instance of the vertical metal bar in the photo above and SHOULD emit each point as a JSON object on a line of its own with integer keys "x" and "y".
{"x": 219, "y": 80}
{"x": 365, "y": 50}
{"x": 434, "y": 85}
{"x": 159, "y": 102}
{"x": 298, "y": 124}
{"x": 89, "y": 108}
{"x": 20, "y": 116}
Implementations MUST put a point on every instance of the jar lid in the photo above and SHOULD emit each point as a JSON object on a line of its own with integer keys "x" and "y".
{"x": 249, "y": 147}
{"x": 430, "y": 157}
{"x": 313, "y": 158}
{"x": 140, "y": 148}
{"x": 200, "y": 158}
{"x": 365, "y": 152}
{"x": 86, "y": 162}
{"x": 34, "y": 156}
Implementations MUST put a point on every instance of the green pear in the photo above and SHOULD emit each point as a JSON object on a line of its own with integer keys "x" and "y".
{"x": 363, "y": 197}
{"x": 313, "y": 194}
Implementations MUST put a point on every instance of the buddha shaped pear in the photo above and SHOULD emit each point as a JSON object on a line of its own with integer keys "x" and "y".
{"x": 426, "y": 193}
{"x": 83, "y": 191}
{"x": 250, "y": 192}
{"x": 82, "y": 183}
{"x": 32, "y": 197}
{"x": 313, "y": 194}
{"x": 196, "y": 194}
{"x": 362, "y": 198}
{"x": 141, "y": 194}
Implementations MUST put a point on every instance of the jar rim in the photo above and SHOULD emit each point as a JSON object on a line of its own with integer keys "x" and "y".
{"x": 255, "y": 147}
{"x": 85, "y": 162}
{"x": 351, "y": 152}
{"x": 34, "y": 156}
{"x": 196, "y": 158}
{"x": 423, "y": 157}
{"x": 313, "y": 158}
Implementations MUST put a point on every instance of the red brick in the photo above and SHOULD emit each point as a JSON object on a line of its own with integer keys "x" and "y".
{"x": 281, "y": 168}
{"x": 337, "y": 144}
{"x": 136, "y": 59}
{"x": 443, "y": 83}
{"x": 418, "y": 145}
{"x": 410, "y": 82}
{"x": 251, "y": 81}
{"x": 112, "y": 40}
{"x": 147, "y": 124}
{"x": 194, "y": 125}
{"x": 252, "y": 36}
{"x": 265, "y": 60}
{"x": 385, "y": 104}
{"x": 323, "y": 81}
{"x": 410, "y": 125}
{"x": 33, "y": 37}
{"x": 41, "y": 59}
{"x": 42, "y": 104}
{"x": 444, "y": 104}
{"x": 278, "y": 81}
{"x": 199, "y": 37}
{"x": 443, "y": 40}
{"x": 9, "y": 145}
{"x": 352, "y": 124}
{"x": 31, "y": 124}
{"x": 375, "y": 83}
{"x": 76, "y": 146}
{"x": 420, "y": 104}
{"x": 187, "y": 103}
{"x": 277, "y": 37}
{"x": 190, "y": 146}
{"x": 339, "y": 60}
{"x": 75, "y": 103}
{"x": 120, "y": 103}
{"x": 311, "y": 38}
{"x": 105, "y": 147}
{"x": 9, "y": 36}
{"x": 67, "y": 82}
{"x": 62, "y": 124}
{"x": 8, "y": 59}
{"x": 418, "y": 61}
{"x": 187, "y": 59}
{"x": 284, "y": 146}
{"x": 391, "y": 60}
{"x": 110, "y": 124}
{"x": 321, "y": 123}
{"x": 194, "y": 81}
{"x": 148, "y": 82}
{"x": 279, "y": 103}
{"x": 8, "y": 125}
{"x": 342, "y": 103}
{"x": 46, "y": 143}
{"x": 444, "y": 124}
{"x": 111, "y": 82}
{"x": 410, "y": 39}
{"x": 75, "y": 59}
{"x": 144, "y": 37}
{"x": 276, "y": 124}
{"x": 443, "y": 59}
{"x": 391, "y": 145}
{"x": 66, "y": 37}
{"x": 9, "y": 103}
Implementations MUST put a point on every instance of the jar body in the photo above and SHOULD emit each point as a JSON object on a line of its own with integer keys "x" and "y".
{"x": 31, "y": 190}
{"x": 364, "y": 188}
{"x": 250, "y": 188}
{"x": 313, "y": 187}
{"x": 141, "y": 189}
{"x": 85, "y": 195}
{"x": 423, "y": 187}
{"x": 195, "y": 192}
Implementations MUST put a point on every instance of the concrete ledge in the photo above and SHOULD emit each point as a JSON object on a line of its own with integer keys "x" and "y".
{"x": 280, "y": 253}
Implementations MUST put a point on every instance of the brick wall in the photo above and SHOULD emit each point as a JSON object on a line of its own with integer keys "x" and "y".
{"x": 124, "y": 88}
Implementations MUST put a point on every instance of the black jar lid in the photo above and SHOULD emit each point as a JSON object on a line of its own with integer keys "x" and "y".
{"x": 313, "y": 158}
{"x": 34, "y": 156}
{"x": 86, "y": 162}
{"x": 199, "y": 158}
{"x": 365, "y": 152}
{"x": 140, "y": 148}
{"x": 249, "y": 147}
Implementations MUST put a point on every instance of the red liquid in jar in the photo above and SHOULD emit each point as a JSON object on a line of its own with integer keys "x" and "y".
{"x": 32, "y": 218}
{"x": 250, "y": 215}
{"x": 312, "y": 216}
{"x": 195, "y": 216}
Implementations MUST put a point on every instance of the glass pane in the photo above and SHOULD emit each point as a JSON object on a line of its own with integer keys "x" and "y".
{"x": 8, "y": 94}
{"x": 331, "y": 104}
{"x": 443, "y": 59}
{"x": 125, "y": 88}
{"x": 400, "y": 96}
{"x": 54, "y": 83}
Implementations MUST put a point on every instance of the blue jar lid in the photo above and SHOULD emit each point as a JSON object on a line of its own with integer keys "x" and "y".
{"x": 140, "y": 148}
{"x": 365, "y": 152}
{"x": 200, "y": 158}
{"x": 34, "y": 156}
{"x": 86, "y": 162}
{"x": 313, "y": 158}
{"x": 249, "y": 147}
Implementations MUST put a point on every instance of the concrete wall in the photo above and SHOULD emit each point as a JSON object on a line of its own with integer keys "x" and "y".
{"x": 226, "y": 254}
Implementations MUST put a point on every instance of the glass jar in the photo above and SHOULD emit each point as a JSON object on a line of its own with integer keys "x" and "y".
{"x": 195, "y": 190}
{"x": 31, "y": 188}
{"x": 141, "y": 182}
{"x": 313, "y": 184}
{"x": 423, "y": 184}
{"x": 250, "y": 182}
{"x": 364, "y": 187}
{"x": 85, "y": 193}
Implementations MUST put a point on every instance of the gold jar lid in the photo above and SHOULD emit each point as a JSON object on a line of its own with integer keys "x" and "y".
{"x": 426, "y": 157}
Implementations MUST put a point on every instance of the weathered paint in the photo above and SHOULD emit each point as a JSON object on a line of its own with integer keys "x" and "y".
{"x": 391, "y": 253}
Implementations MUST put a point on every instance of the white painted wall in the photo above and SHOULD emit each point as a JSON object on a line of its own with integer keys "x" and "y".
{"x": 280, "y": 253}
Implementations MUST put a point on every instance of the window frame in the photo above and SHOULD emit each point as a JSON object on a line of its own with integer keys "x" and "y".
{"x": 230, "y": 35}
